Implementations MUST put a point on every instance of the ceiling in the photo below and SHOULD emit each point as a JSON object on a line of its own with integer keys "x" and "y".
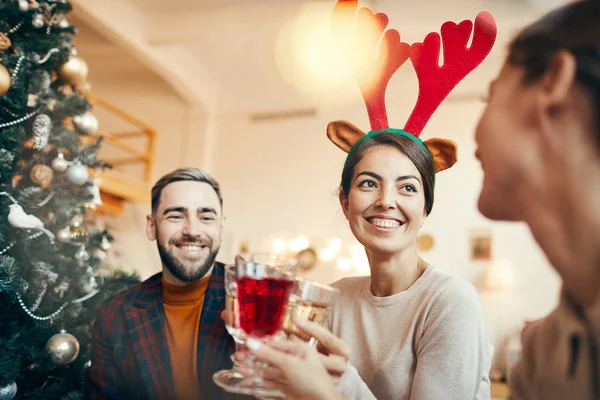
{"x": 111, "y": 67}
{"x": 236, "y": 41}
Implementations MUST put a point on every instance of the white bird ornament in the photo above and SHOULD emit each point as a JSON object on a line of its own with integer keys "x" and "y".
{"x": 19, "y": 219}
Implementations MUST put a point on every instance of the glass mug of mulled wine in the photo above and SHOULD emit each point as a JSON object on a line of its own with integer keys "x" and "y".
{"x": 256, "y": 309}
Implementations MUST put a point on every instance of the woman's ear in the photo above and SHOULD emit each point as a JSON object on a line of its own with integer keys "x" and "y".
{"x": 344, "y": 203}
{"x": 560, "y": 77}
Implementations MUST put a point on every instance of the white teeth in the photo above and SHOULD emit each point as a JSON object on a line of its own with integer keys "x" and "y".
{"x": 191, "y": 248}
{"x": 385, "y": 223}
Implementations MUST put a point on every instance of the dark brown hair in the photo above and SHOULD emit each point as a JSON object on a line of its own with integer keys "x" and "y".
{"x": 413, "y": 150}
{"x": 183, "y": 174}
{"x": 574, "y": 28}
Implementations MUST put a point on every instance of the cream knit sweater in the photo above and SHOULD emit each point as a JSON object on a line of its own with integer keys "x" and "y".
{"x": 425, "y": 343}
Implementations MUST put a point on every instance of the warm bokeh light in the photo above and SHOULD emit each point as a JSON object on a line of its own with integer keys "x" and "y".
{"x": 326, "y": 254}
{"x": 299, "y": 243}
{"x": 317, "y": 65}
{"x": 279, "y": 245}
{"x": 335, "y": 245}
{"x": 344, "y": 264}
{"x": 359, "y": 258}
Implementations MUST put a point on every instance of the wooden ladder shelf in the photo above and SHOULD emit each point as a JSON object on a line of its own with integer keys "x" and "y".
{"x": 118, "y": 188}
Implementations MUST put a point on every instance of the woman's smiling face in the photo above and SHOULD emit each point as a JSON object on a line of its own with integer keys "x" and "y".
{"x": 385, "y": 205}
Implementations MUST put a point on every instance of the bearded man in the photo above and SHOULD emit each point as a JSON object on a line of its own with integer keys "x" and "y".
{"x": 164, "y": 338}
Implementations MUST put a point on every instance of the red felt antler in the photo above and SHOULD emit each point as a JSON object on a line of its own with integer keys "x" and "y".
{"x": 435, "y": 82}
{"x": 357, "y": 39}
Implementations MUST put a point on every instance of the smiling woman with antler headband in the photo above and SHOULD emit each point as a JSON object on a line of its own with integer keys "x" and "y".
{"x": 413, "y": 331}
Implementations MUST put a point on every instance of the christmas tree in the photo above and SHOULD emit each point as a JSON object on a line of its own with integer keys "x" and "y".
{"x": 52, "y": 242}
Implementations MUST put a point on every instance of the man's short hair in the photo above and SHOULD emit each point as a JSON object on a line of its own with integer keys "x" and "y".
{"x": 183, "y": 174}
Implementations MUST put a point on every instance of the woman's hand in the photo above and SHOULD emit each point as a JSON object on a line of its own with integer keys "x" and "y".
{"x": 296, "y": 369}
{"x": 334, "y": 352}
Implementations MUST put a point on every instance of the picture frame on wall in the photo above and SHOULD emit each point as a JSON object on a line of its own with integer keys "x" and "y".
{"x": 480, "y": 241}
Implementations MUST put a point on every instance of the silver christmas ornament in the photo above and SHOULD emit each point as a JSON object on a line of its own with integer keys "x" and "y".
{"x": 6, "y": 156}
{"x": 59, "y": 164}
{"x": 99, "y": 254}
{"x": 95, "y": 190}
{"x": 82, "y": 256}
{"x": 86, "y": 123}
{"x": 64, "y": 235}
{"x": 23, "y": 5}
{"x": 77, "y": 174}
{"x": 37, "y": 21}
{"x": 63, "y": 23}
{"x": 8, "y": 392}
{"x": 106, "y": 244}
{"x": 90, "y": 285}
{"x": 41, "y": 130}
{"x": 62, "y": 348}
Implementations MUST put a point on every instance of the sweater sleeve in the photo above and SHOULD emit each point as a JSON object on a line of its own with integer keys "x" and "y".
{"x": 454, "y": 354}
{"x": 352, "y": 387}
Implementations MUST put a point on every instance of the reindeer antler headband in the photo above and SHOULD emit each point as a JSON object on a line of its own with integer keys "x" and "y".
{"x": 435, "y": 82}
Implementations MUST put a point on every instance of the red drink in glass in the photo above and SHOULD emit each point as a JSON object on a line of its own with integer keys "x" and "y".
{"x": 262, "y": 304}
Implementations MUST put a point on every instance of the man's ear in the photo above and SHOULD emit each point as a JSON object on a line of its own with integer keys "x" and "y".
{"x": 344, "y": 203}
{"x": 150, "y": 227}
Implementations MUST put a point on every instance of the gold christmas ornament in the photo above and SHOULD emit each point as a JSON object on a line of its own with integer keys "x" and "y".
{"x": 41, "y": 175}
{"x": 4, "y": 80}
{"x": 78, "y": 233}
{"x": 73, "y": 71}
{"x": 63, "y": 348}
{"x": 4, "y": 42}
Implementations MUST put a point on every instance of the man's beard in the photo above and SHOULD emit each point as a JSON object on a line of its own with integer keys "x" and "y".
{"x": 177, "y": 268}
